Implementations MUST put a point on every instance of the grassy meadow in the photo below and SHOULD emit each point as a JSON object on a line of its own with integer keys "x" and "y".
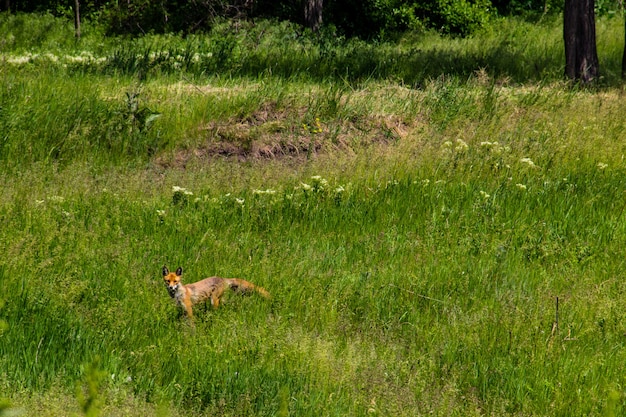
{"x": 440, "y": 223}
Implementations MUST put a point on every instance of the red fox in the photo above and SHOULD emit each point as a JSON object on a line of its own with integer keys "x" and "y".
{"x": 209, "y": 288}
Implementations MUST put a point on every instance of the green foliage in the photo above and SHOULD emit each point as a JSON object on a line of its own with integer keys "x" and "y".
{"x": 140, "y": 17}
{"x": 47, "y": 34}
{"x": 380, "y": 18}
{"x": 43, "y": 32}
{"x": 138, "y": 118}
{"x": 529, "y": 8}
{"x": 609, "y": 8}
{"x": 366, "y": 19}
{"x": 462, "y": 17}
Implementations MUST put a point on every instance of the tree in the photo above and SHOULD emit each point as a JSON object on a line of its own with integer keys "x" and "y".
{"x": 313, "y": 14}
{"x": 624, "y": 55}
{"x": 77, "y": 18}
{"x": 579, "y": 34}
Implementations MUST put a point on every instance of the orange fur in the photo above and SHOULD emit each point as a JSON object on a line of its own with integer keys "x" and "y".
{"x": 207, "y": 289}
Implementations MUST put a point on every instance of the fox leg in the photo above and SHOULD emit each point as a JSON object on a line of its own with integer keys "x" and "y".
{"x": 187, "y": 307}
{"x": 216, "y": 295}
{"x": 215, "y": 300}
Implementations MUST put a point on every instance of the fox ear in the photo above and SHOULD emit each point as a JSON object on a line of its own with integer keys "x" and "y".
{"x": 179, "y": 271}
{"x": 165, "y": 270}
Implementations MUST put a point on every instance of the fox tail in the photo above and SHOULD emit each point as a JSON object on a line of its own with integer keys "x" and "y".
{"x": 246, "y": 287}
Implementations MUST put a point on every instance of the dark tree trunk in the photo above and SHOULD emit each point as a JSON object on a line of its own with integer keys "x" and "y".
{"x": 579, "y": 34}
{"x": 7, "y": 5}
{"x": 624, "y": 55}
{"x": 77, "y": 18}
{"x": 313, "y": 14}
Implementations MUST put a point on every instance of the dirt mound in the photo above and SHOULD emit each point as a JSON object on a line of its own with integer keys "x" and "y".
{"x": 271, "y": 133}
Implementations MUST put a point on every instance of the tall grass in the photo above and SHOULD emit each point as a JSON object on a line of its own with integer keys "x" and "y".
{"x": 430, "y": 290}
{"x": 415, "y": 234}
{"x": 99, "y": 96}
{"x": 518, "y": 50}
{"x": 67, "y": 93}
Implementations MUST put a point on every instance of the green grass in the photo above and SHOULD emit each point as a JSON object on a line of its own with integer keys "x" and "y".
{"x": 415, "y": 237}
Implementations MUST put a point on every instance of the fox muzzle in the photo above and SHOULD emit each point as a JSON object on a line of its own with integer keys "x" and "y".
{"x": 172, "y": 290}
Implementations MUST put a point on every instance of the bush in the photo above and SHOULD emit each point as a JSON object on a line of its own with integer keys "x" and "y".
{"x": 456, "y": 17}
{"x": 378, "y": 18}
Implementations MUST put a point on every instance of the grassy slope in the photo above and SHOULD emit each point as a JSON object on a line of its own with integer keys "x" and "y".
{"x": 418, "y": 275}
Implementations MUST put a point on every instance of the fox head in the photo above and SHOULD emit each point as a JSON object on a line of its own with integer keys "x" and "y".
{"x": 172, "y": 280}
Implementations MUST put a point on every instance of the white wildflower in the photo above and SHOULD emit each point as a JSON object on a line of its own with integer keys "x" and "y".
{"x": 51, "y": 57}
{"x": 484, "y": 195}
{"x": 24, "y": 59}
{"x": 318, "y": 182}
{"x": 305, "y": 187}
{"x": 461, "y": 145}
{"x": 268, "y": 191}
{"x": 177, "y": 189}
{"x": 240, "y": 201}
{"x": 521, "y": 186}
{"x": 602, "y": 165}
{"x": 75, "y": 59}
{"x": 497, "y": 148}
{"x": 494, "y": 147}
{"x": 528, "y": 162}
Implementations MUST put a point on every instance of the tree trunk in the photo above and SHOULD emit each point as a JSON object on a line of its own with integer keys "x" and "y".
{"x": 579, "y": 34}
{"x": 77, "y": 18}
{"x": 624, "y": 55}
{"x": 7, "y": 5}
{"x": 313, "y": 14}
